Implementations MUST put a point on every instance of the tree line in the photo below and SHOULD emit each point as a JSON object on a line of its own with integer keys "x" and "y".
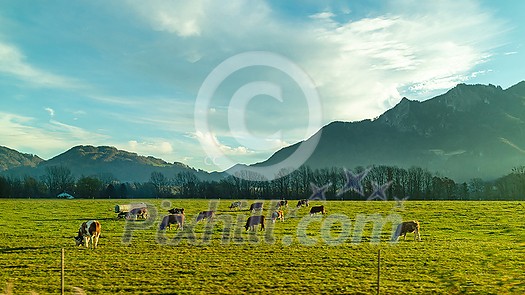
{"x": 413, "y": 183}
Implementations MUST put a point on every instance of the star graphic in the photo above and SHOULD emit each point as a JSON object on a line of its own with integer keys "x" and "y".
{"x": 379, "y": 191}
{"x": 399, "y": 203}
{"x": 318, "y": 192}
{"x": 353, "y": 182}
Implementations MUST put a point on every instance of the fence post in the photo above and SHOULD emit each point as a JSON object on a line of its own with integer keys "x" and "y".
{"x": 62, "y": 273}
{"x": 378, "y": 269}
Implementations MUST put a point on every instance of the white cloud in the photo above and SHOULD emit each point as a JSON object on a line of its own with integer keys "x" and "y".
{"x": 150, "y": 147}
{"x": 13, "y": 62}
{"x": 356, "y": 64}
{"x": 182, "y": 18}
{"x": 50, "y": 111}
{"x": 210, "y": 140}
{"x": 322, "y": 15}
{"x": 363, "y": 64}
{"x": 197, "y": 18}
{"x": 44, "y": 139}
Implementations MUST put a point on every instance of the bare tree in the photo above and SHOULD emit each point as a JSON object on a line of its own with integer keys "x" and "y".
{"x": 160, "y": 182}
{"x": 58, "y": 179}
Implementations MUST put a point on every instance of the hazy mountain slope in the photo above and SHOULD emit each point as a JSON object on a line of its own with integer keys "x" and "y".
{"x": 10, "y": 158}
{"x": 470, "y": 131}
{"x": 109, "y": 161}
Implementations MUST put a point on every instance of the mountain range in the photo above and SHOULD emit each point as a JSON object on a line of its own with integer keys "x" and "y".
{"x": 471, "y": 131}
{"x": 102, "y": 161}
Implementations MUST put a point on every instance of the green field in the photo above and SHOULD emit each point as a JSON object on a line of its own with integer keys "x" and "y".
{"x": 466, "y": 248}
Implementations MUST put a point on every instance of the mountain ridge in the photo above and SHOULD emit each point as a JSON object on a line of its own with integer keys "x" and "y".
{"x": 108, "y": 161}
{"x": 468, "y": 132}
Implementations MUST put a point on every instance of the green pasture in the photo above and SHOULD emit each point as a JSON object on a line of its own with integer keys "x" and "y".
{"x": 466, "y": 248}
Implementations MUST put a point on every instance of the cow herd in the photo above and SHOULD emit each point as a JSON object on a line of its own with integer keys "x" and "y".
{"x": 89, "y": 232}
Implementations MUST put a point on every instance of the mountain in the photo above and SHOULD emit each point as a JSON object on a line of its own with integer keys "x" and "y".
{"x": 10, "y": 159}
{"x": 471, "y": 131}
{"x": 108, "y": 161}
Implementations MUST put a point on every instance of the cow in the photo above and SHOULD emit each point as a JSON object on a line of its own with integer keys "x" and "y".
{"x": 205, "y": 214}
{"x": 122, "y": 214}
{"x": 176, "y": 211}
{"x": 282, "y": 203}
{"x": 317, "y": 209}
{"x": 236, "y": 205}
{"x": 256, "y": 206}
{"x": 277, "y": 215}
{"x": 89, "y": 231}
{"x": 136, "y": 213}
{"x": 408, "y": 227}
{"x": 170, "y": 219}
{"x": 254, "y": 221}
{"x": 303, "y": 202}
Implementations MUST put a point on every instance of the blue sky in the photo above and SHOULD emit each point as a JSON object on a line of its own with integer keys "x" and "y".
{"x": 128, "y": 73}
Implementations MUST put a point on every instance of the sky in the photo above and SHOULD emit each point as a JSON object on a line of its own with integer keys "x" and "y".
{"x": 211, "y": 83}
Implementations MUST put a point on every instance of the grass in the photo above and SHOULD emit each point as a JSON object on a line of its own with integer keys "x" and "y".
{"x": 466, "y": 248}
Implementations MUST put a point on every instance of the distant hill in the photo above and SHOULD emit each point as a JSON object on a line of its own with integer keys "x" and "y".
{"x": 108, "y": 161}
{"x": 10, "y": 159}
{"x": 470, "y": 131}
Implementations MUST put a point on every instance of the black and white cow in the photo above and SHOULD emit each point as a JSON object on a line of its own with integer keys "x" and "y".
{"x": 303, "y": 202}
{"x": 317, "y": 209}
{"x": 235, "y": 205}
{"x": 136, "y": 213}
{"x": 282, "y": 203}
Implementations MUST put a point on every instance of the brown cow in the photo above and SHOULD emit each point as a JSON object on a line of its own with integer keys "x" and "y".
{"x": 408, "y": 227}
{"x": 176, "y": 211}
{"x": 317, "y": 209}
{"x": 277, "y": 215}
{"x": 88, "y": 232}
{"x": 168, "y": 220}
{"x": 205, "y": 214}
{"x": 254, "y": 221}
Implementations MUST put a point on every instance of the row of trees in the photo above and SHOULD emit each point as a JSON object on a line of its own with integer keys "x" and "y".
{"x": 414, "y": 183}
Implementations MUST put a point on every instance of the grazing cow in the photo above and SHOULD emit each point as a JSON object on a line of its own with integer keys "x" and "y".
{"x": 282, "y": 203}
{"x": 407, "y": 227}
{"x": 317, "y": 209}
{"x": 88, "y": 232}
{"x": 256, "y": 206}
{"x": 136, "y": 213}
{"x": 254, "y": 221}
{"x": 303, "y": 202}
{"x": 176, "y": 211}
{"x": 122, "y": 214}
{"x": 205, "y": 214}
{"x": 236, "y": 205}
{"x": 168, "y": 220}
{"x": 277, "y": 215}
